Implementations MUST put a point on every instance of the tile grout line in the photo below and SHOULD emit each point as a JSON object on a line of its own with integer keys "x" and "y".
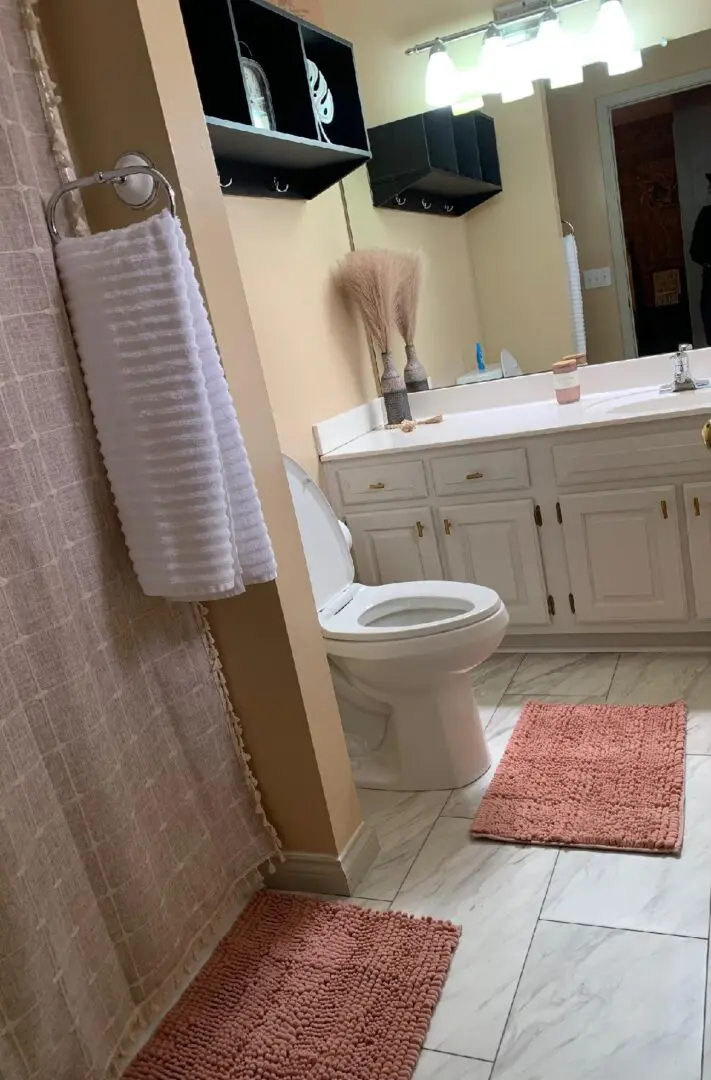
{"x": 705, "y": 1047}
{"x": 624, "y": 929}
{"x": 612, "y": 680}
{"x": 459, "y": 1057}
{"x": 419, "y": 852}
{"x": 525, "y": 961}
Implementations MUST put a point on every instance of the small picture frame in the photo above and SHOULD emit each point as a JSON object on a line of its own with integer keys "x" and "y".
{"x": 259, "y": 97}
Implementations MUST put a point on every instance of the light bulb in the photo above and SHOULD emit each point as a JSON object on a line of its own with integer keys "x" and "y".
{"x": 516, "y": 90}
{"x": 557, "y": 54}
{"x": 625, "y": 61}
{"x": 492, "y": 61}
{"x": 469, "y": 98}
{"x": 613, "y": 33}
{"x": 441, "y": 81}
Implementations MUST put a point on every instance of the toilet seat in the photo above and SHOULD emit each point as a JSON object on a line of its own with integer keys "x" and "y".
{"x": 412, "y": 609}
{"x": 369, "y": 615}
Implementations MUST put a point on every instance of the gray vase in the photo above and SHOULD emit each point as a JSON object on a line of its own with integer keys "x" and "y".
{"x": 392, "y": 386}
{"x": 415, "y": 374}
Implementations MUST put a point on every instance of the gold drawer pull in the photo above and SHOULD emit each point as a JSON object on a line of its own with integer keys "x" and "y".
{"x": 377, "y": 487}
{"x": 665, "y": 509}
{"x": 447, "y": 527}
{"x": 420, "y": 529}
{"x": 697, "y": 508}
{"x": 475, "y": 476}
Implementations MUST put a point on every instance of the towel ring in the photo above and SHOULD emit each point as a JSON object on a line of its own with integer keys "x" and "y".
{"x": 111, "y": 176}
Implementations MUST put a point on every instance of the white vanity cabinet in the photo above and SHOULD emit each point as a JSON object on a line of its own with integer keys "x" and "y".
{"x": 496, "y": 544}
{"x": 624, "y": 555}
{"x": 594, "y": 532}
{"x": 395, "y": 545}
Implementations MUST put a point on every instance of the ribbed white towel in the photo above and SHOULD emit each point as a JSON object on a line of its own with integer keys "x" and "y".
{"x": 576, "y": 293}
{"x": 167, "y": 427}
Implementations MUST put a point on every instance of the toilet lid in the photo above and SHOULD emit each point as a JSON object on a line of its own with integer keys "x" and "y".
{"x": 327, "y": 554}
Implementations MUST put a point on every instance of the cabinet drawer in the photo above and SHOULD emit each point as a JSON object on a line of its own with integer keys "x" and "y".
{"x": 382, "y": 483}
{"x": 636, "y": 457}
{"x": 474, "y": 472}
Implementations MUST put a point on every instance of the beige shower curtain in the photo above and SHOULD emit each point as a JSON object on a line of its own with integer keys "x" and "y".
{"x": 130, "y": 827}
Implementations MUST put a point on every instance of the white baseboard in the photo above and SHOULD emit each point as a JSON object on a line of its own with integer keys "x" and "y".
{"x": 338, "y": 875}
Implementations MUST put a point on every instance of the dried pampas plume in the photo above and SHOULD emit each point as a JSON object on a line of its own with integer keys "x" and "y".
{"x": 408, "y": 294}
{"x": 369, "y": 279}
{"x": 407, "y": 298}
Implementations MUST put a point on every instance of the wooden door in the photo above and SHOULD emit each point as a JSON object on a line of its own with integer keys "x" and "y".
{"x": 697, "y": 500}
{"x": 497, "y": 545}
{"x": 624, "y": 555}
{"x": 395, "y": 545}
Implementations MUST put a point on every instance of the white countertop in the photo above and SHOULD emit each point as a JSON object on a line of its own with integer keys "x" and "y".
{"x": 619, "y": 407}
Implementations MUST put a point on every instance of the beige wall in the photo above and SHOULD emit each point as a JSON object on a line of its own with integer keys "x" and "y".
{"x": 578, "y": 163}
{"x": 270, "y": 640}
{"x": 517, "y": 247}
{"x": 313, "y": 352}
{"x": 496, "y": 275}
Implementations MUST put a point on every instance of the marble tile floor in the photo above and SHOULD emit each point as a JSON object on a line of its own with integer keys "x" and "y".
{"x": 573, "y": 965}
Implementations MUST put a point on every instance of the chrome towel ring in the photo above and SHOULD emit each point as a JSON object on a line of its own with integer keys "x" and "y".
{"x": 111, "y": 176}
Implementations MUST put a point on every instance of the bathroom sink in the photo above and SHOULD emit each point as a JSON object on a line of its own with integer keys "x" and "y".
{"x": 651, "y": 403}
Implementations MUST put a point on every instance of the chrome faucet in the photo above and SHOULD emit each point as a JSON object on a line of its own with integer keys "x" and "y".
{"x": 683, "y": 379}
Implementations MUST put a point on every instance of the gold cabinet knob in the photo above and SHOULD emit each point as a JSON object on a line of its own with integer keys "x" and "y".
{"x": 706, "y": 435}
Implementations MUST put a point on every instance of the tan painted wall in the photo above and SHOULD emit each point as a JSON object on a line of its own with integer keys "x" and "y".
{"x": 269, "y": 639}
{"x": 576, "y": 149}
{"x": 496, "y": 275}
{"x": 313, "y": 352}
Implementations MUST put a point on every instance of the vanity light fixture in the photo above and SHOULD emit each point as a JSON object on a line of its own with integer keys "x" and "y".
{"x": 441, "y": 81}
{"x": 614, "y": 39}
{"x": 525, "y": 42}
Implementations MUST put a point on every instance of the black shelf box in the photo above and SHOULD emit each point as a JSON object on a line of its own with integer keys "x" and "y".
{"x": 435, "y": 163}
{"x": 293, "y": 161}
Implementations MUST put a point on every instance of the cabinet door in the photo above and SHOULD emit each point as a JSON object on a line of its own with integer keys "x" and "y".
{"x": 497, "y": 545}
{"x": 624, "y": 555}
{"x": 697, "y": 498}
{"x": 395, "y": 545}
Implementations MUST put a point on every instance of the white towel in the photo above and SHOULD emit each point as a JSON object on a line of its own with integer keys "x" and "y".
{"x": 167, "y": 427}
{"x": 570, "y": 247}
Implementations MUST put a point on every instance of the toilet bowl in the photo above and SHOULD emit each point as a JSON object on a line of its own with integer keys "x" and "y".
{"x": 401, "y": 656}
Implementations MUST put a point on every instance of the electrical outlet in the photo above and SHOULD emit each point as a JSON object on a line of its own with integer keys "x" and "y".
{"x": 598, "y": 279}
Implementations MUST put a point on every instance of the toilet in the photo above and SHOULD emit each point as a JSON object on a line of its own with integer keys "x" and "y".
{"x": 401, "y": 657}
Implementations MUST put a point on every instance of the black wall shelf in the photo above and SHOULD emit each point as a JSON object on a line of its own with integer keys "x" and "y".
{"x": 291, "y": 162}
{"x": 435, "y": 163}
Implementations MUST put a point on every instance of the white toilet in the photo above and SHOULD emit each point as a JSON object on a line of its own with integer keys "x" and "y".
{"x": 400, "y": 656}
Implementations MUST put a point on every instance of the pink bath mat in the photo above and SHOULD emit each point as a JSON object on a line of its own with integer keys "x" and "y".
{"x": 593, "y": 776}
{"x": 301, "y": 989}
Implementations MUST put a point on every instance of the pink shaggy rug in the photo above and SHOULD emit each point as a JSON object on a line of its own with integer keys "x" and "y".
{"x": 299, "y": 989}
{"x": 594, "y": 776}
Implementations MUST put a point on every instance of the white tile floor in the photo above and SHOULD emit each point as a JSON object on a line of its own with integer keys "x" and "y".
{"x": 573, "y": 965}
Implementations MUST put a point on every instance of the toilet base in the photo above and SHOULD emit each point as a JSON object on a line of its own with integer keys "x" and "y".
{"x": 434, "y": 741}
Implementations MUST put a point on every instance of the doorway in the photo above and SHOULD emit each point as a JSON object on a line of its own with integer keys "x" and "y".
{"x": 656, "y": 149}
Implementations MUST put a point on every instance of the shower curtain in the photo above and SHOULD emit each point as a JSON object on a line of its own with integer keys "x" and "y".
{"x": 130, "y": 826}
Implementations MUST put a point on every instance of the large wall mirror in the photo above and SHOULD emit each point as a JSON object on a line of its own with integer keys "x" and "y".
{"x": 623, "y": 163}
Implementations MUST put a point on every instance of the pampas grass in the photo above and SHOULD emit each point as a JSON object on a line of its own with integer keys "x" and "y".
{"x": 370, "y": 279}
{"x": 411, "y": 268}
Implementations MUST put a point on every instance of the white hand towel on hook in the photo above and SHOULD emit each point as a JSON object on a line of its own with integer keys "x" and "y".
{"x": 167, "y": 427}
{"x": 575, "y": 287}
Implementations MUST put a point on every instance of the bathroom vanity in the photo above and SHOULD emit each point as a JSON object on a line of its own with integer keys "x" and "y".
{"x": 589, "y": 520}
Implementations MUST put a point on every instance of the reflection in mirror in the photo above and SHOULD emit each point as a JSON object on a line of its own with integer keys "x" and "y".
{"x": 600, "y": 240}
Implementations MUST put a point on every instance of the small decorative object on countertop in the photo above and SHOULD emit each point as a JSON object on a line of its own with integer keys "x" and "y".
{"x": 408, "y": 426}
{"x": 369, "y": 279}
{"x": 566, "y": 381}
{"x": 406, "y": 303}
{"x": 706, "y": 435}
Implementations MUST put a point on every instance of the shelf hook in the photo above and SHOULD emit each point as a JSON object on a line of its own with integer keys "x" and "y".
{"x": 448, "y": 208}
{"x": 401, "y": 200}
{"x": 426, "y": 205}
{"x": 281, "y": 189}
{"x": 228, "y": 184}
